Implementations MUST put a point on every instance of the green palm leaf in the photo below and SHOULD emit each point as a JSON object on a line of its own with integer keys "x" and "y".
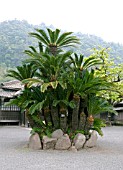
{"x": 68, "y": 41}
{"x": 44, "y": 87}
{"x": 32, "y": 81}
{"x": 36, "y": 107}
{"x": 98, "y": 105}
{"x": 43, "y": 40}
{"x": 56, "y": 35}
{"x": 44, "y": 35}
{"x": 54, "y": 84}
{"x": 51, "y": 35}
{"x": 14, "y": 74}
{"x": 63, "y": 36}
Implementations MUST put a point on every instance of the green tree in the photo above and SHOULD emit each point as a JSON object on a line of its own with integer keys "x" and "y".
{"x": 54, "y": 41}
{"x": 111, "y": 72}
{"x": 23, "y": 72}
{"x": 61, "y": 84}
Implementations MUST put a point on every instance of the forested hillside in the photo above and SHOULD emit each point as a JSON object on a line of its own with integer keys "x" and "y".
{"x": 14, "y": 39}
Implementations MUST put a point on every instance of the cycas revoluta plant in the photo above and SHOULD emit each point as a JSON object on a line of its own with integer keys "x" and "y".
{"x": 23, "y": 72}
{"x": 54, "y": 41}
{"x": 61, "y": 87}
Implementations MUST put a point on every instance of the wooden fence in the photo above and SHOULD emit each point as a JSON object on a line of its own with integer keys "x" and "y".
{"x": 9, "y": 113}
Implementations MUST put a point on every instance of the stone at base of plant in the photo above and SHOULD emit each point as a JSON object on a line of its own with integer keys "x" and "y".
{"x": 62, "y": 141}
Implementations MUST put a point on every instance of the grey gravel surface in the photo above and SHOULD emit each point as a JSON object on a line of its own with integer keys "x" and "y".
{"x": 15, "y": 155}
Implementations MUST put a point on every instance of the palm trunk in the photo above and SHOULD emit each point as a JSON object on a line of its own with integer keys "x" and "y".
{"x": 30, "y": 119}
{"x": 70, "y": 111}
{"x": 75, "y": 114}
{"x": 82, "y": 115}
{"x": 55, "y": 117}
{"x": 89, "y": 124}
{"x": 82, "y": 121}
{"x": 63, "y": 118}
{"x": 47, "y": 115}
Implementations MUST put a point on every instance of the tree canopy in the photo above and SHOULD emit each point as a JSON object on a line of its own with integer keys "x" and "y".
{"x": 14, "y": 39}
{"x": 63, "y": 89}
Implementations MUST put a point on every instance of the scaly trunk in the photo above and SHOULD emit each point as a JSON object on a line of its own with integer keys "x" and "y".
{"x": 53, "y": 49}
{"x": 75, "y": 114}
{"x": 55, "y": 117}
{"x": 63, "y": 118}
{"x": 89, "y": 124}
{"x": 82, "y": 121}
{"x": 47, "y": 115}
{"x": 70, "y": 111}
{"x": 30, "y": 119}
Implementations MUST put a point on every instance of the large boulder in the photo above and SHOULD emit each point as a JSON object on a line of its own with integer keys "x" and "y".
{"x": 63, "y": 143}
{"x": 48, "y": 143}
{"x": 79, "y": 140}
{"x": 92, "y": 141}
{"x": 57, "y": 134}
{"x": 34, "y": 142}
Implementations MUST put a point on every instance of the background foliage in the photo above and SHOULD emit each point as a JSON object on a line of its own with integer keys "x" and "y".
{"x": 14, "y": 39}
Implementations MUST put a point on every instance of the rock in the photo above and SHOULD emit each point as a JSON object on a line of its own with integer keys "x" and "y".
{"x": 63, "y": 143}
{"x": 57, "y": 134}
{"x": 34, "y": 142}
{"x": 48, "y": 143}
{"x": 73, "y": 149}
{"x": 92, "y": 141}
{"x": 79, "y": 140}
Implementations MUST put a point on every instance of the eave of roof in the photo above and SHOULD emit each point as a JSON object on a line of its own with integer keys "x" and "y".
{"x": 7, "y": 94}
{"x": 15, "y": 85}
{"x": 11, "y": 88}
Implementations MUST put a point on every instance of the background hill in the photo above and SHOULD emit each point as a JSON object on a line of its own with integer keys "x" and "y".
{"x": 14, "y": 39}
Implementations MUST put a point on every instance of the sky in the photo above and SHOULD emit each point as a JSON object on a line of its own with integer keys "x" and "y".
{"x": 103, "y": 18}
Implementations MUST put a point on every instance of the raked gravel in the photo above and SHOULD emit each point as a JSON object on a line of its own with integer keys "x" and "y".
{"x": 15, "y": 155}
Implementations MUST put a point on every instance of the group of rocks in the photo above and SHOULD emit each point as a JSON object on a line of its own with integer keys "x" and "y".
{"x": 61, "y": 141}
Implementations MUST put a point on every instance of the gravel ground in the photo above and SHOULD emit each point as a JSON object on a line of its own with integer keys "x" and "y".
{"x": 14, "y": 154}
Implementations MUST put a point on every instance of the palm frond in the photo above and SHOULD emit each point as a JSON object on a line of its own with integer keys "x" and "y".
{"x": 51, "y": 35}
{"x": 63, "y": 36}
{"x": 40, "y": 47}
{"x": 35, "y": 35}
{"x": 97, "y": 105}
{"x": 69, "y": 40}
{"x": 14, "y": 74}
{"x": 43, "y": 35}
{"x": 56, "y": 35}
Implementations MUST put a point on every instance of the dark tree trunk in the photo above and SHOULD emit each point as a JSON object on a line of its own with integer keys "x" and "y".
{"x": 75, "y": 114}
{"x": 47, "y": 115}
{"x": 55, "y": 117}
{"x": 63, "y": 118}
{"x": 82, "y": 121}
{"x": 30, "y": 119}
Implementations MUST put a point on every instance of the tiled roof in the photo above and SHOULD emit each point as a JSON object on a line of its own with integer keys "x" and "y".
{"x": 10, "y": 89}
{"x": 8, "y": 94}
{"x": 15, "y": 85}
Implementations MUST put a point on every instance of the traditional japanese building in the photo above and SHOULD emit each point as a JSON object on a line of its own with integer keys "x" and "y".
{"x": 119, "y": 108}
{"x": 111, "y": 117}
{"x": 12, "y": 113}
